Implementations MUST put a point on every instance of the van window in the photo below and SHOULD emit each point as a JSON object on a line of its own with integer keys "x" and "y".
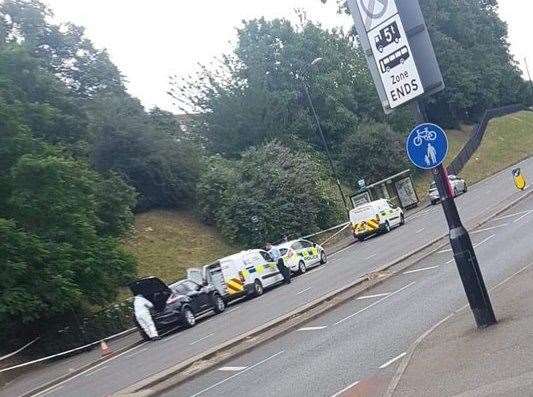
{"x": 266, "y": 256}
{"x": 363, "y": 213}
{"x": 297, "y": 246}
{"x": 306, "y": 244}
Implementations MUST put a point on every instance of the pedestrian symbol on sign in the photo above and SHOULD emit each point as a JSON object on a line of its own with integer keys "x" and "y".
{"x": 427, "y": 146}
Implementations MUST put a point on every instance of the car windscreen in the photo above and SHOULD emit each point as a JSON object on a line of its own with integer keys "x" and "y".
{"x": 283, "y": 251}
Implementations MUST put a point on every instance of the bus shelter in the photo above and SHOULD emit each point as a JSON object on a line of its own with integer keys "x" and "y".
{"x": 398, "y": 189}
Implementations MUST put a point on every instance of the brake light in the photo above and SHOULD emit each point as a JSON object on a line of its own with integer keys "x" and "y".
{"x": 171, "y": 299}
{"x": 241, "y": 276}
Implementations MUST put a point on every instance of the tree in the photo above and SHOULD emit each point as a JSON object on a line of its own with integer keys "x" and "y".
{"x": 272, "y": 191}
{"x": 375, "y": 141}
{"x": 57, "y": 253}
{"x": 252, "y": 96}
{"x": 162, "y": 168}
{"x": 62, "y": 49}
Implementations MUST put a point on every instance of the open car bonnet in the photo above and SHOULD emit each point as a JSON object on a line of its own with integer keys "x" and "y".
{"x": 153, "y": 289}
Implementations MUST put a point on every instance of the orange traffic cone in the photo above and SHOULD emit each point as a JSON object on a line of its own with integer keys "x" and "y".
{"x": 105, "y": 348}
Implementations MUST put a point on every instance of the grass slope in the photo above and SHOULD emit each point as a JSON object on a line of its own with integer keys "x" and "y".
{"x": 508, "y": 140}
{"x": 166, "y": 243}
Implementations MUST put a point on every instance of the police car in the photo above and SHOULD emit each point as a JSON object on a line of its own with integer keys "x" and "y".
{"x": 300, "y": 255}
{"x": 378, "y": 216}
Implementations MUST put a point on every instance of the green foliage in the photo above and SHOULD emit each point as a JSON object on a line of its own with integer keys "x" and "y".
{"x": 271, "y": 192}
{"x": 162, "y": 168}
{"x": 252, "y": 96}
{"x": 365, "y": 156}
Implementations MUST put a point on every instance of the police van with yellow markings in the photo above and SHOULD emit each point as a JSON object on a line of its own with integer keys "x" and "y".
{"x": 246, "y": 273}
{"x": 300, "y": 255}
{"x": 378, "y": 216}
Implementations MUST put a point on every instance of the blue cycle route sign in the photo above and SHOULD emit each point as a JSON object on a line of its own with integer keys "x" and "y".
{"x": 427, "y": 146}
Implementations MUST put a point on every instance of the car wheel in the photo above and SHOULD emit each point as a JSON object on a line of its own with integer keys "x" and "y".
{"x": 360, "y": 239}
{"x": 218, "y": 304}
{"x": 455, "y": 192}
{"x": 433, "y": 202}
{"x": 323, "y": 257}
{"x": 188, "y": 317}
{"x": 301, "y": 267}
{"x": 402, "y": 219}
{"x": 258, "y": 288}
{"x": 465, "y": 189}
{"x": 387, "y": 227}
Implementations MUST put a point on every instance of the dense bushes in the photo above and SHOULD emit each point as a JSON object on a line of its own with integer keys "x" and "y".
{"x": 270, "y": 192}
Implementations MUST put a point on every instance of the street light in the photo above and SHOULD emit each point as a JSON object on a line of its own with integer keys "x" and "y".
{"x": 321, "y": 133}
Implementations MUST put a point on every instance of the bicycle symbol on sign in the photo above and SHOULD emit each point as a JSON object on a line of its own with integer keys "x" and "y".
{"x": 425, "y": 135}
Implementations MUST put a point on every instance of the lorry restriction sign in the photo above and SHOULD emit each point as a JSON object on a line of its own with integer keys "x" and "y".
{"x": 393, "y": 57}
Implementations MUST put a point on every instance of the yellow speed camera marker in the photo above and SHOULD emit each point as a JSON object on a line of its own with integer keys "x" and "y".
{"x": 519, "y": 179}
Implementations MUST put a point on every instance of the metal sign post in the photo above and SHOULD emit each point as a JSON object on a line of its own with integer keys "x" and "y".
{"x": 394, "y": 37}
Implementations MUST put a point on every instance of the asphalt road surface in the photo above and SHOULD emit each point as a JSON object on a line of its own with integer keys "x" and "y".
{"x": 347, "y": 265}
{"x": 363, "y": 339}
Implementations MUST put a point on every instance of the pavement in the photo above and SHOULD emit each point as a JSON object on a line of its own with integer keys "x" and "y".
{"x": 459, "y": 360}
{"x": 354, "y": 350}
{"x": 347, "y": 265}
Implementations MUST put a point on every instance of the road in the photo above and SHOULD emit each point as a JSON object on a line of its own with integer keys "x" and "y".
{"x": 363, "y": 339}
{"x": 345, "y": 266}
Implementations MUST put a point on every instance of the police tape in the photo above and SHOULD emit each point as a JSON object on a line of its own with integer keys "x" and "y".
{"x": 19, "y": 350}
{"x": 343, "y": 225}
{"x": 39, "y": 360}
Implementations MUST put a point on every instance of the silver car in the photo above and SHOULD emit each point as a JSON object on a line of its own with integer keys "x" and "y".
{"x": 457, "y": 184}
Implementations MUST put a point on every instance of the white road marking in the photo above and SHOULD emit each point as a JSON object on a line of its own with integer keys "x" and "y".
{"x": 342, "y": 250}
{"x": 232, "y": 369}
{"x": 450, "y": 261}
{"x": 96, "y": 370}
{"x": 420, "y": 230}
{"x": 488, "y": 228}
{"x": 201, "y": 339}
{"x": 237, "y": 374}
{"x": 345, "y": 389}
{"x": 484, "y": 241}
{"x": 444, "y": 251}
{"x": 373, "y": 296}
{"x": 139, "y": 352}
{"x": 509, "y": 216}
{"x": 370, "y": 257}
{"x": 302, "y": 291}
{"x": 312, "y": 328}
{"x": 420, "y": 270}
{"x": 522, "y": 217}
{"x": 52, "y": 390}
{"x": 392, "y": 361}
{"x": 87, "y": 370}
{"x": 374, "y": 304}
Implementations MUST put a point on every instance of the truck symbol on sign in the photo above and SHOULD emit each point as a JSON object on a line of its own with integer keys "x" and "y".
{"x": 388, "y": 35}
{"x": 396, "y": 58}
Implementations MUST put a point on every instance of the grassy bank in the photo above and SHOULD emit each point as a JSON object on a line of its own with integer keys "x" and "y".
{"x": 508, "y": 140}
{"x": 166, "y": 243}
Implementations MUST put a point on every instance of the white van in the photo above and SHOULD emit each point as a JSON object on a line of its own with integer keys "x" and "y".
{"x": 245, "y": 273}
{"x": 375, "y": 217}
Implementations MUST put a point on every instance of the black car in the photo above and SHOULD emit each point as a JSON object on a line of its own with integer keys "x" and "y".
{"x": 177, "y": 304}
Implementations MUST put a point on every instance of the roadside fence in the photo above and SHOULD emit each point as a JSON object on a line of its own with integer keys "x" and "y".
{"x": 458, "y": 163}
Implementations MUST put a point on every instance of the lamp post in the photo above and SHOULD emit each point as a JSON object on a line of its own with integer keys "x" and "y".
{"x": 321, "y": 134}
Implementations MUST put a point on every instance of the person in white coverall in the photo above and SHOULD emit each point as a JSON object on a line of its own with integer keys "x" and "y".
{"x": 142, "y": 308}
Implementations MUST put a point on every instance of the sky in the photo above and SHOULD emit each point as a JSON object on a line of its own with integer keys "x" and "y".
{"x": 151, "y": 40}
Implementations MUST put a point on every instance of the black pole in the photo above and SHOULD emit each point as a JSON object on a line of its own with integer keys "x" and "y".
{"x": 326, "y": 146}
{"x": 463, "y": 251}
